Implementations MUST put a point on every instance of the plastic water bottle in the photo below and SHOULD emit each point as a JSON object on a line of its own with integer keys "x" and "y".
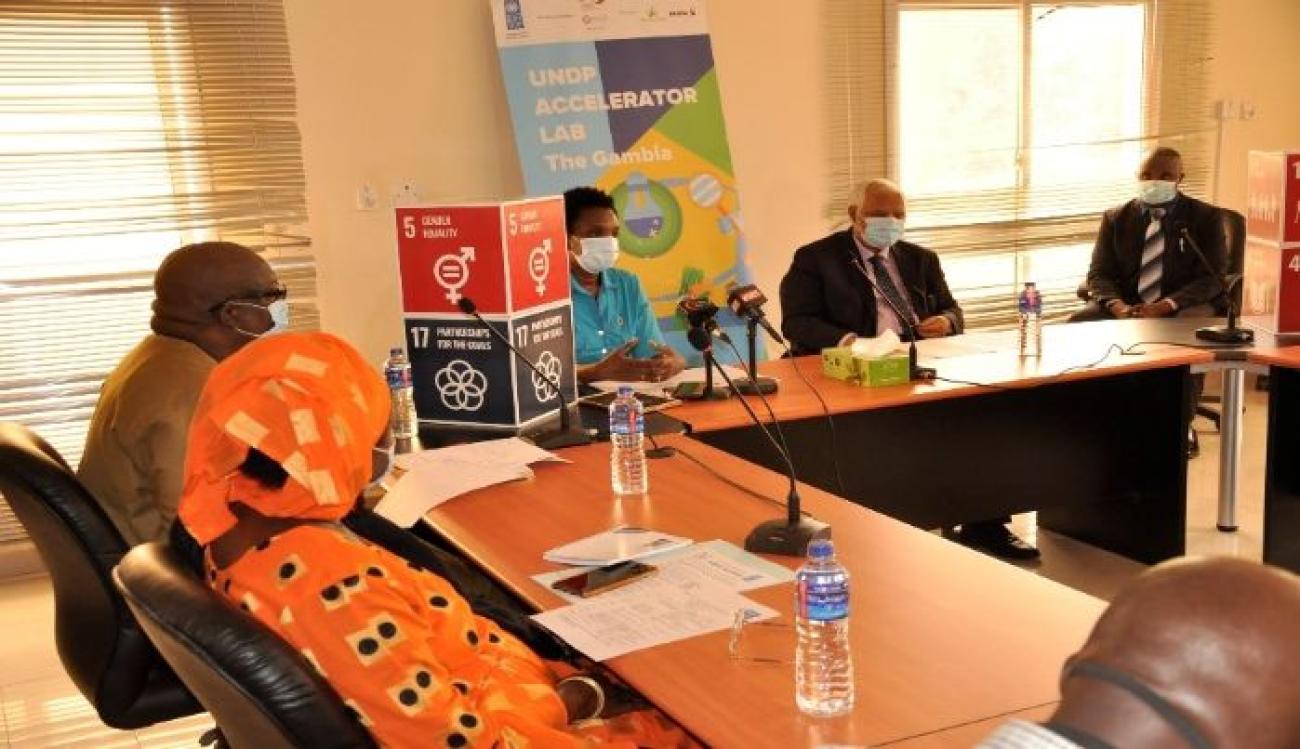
{"x": 628, "y": 475}
{"x": 397, "y": 370}
{"x": 1031, "y": 321}
{"x": 823, "y": 662}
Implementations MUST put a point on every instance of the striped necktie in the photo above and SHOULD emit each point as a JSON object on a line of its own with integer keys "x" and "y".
{"x": 1152, "y": 258}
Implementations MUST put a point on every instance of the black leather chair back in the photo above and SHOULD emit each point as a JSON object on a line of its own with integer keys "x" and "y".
{"x": 102, "y": 648}
{"x": 262, "y": 693}
{"x": 1234, "y": 236}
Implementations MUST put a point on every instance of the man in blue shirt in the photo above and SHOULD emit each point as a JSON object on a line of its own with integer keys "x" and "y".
{"x": 617, "y": 336}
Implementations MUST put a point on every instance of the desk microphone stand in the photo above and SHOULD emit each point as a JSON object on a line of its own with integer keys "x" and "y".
{"x": 702, "y": 391}
{"x": 753, "y": 384}
{"x": 1229, "y": 333}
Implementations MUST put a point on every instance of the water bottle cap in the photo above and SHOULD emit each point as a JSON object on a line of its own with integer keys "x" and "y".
{"x": 821, "y": 548}
{"x": 625, "y": 390}
{"x": 396, "y": 351}
{"x": 1030, "y": 284}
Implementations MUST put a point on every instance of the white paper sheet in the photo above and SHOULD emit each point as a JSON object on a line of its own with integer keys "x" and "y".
{"x": 716, "y": 560}
{"x": 428, "y": 485}
{"x": 615, "y": 545}
{"x": 435, "y": 476}
{"x": 660, "y": 612}
{"x": 509, "y": 451}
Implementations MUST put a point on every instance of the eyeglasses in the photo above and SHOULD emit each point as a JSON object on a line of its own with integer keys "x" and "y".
{"x": 264, "y": 297}
{"x": 743, "y": 617}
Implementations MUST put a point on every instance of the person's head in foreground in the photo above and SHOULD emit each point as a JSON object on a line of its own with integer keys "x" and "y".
{"x": 1194, "y": 654}
{"x": 288, "y": 431}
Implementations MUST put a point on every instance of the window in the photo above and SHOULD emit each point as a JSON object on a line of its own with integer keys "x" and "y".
{"x": 1011, "y": 125}
{"x": 127, "y": 129}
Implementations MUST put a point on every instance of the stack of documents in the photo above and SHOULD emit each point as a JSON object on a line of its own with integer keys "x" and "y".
{"x": 435, "y": 476}
{"x": 613, "y": 546}
{"x": 696, "y": 591}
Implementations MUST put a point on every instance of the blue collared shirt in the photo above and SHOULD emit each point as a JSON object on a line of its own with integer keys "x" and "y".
{"x": 617, "y": 314}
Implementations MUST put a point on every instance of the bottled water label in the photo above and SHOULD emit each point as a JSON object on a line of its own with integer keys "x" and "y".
{"x": 823, "y": 602}
{"x": 398, "y": 377}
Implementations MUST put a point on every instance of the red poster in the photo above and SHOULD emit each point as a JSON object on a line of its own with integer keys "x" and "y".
{"x": 1288, "y": 293}
{"x": 538, "y": 257}
{"x": 1291, "y": 201}
{"x": 1264, "y": 195}
{"x": 449, "y": 253}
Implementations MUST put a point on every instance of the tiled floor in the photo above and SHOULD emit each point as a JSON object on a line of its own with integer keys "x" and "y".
{"x": 40, "y": 707}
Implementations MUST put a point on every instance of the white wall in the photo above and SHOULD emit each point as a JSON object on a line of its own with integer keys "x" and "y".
{"x": 392, "y": 90}
{"x": 1256, "y": 62}
{"x": 396, "y": 90}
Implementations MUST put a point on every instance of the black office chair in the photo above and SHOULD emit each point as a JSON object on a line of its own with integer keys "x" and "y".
{"x": 262, "y": 693}
{"x": 101, "y": 646}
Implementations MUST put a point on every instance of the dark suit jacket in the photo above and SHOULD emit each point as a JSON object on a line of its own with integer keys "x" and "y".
{"x": 823, "y": 297}
{"x": 1117, "y": 256}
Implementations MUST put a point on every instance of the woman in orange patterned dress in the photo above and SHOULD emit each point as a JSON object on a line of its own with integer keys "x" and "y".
{"x": 288, "y": 431}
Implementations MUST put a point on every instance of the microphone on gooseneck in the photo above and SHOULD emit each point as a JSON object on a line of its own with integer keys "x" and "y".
{"x": 566, "y": 436}
{"x": 1229, "y": 333}
{"x": 788, "y": 536}
{"x": 915, "y": 371}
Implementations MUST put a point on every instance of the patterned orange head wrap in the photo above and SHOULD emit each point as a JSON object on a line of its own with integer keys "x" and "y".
{"x": 306, "y": 400}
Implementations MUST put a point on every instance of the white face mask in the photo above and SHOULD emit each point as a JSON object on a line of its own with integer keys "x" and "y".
{"x": 598, "y": 254}
{"x": 279, "y": 312}
{"x": 389, "y": 458}
{"x": 882, "y": 232}
{"x": 1157, "y": 191}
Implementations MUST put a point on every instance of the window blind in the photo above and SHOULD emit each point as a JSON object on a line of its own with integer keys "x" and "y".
{"x": 1011, "y": 125}
{"x": 129, "y": 128}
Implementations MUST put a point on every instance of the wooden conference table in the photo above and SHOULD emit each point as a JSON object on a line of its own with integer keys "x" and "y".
{"x": 943, "y": 637}
{"x": 1091, "y": 438}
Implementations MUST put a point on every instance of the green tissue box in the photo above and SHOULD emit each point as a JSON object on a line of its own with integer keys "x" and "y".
{"x": 894, "y": 369}
{"x": 839, "y": 363}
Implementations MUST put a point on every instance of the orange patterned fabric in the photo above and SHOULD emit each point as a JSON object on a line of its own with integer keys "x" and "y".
{"x": 407, "y": 655}
{"x": 306, "y": 400}
{"x": 398, "y": 644}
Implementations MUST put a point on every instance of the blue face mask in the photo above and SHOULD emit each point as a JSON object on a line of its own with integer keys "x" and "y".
{"x": 1157, "y": 191}
{"x": 882, "y": 232}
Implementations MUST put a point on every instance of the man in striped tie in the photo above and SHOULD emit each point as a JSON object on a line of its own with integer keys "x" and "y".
{"x": 1142, "y": 264}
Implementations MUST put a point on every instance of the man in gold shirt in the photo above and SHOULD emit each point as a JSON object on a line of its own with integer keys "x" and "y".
{"x": 210, "y": 299}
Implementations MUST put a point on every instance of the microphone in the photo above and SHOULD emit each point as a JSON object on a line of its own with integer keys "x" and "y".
{"x": 566, "y": 436}
{"x": 1229, "y": 333}
{"x": 915, "y": 372}
{"x": 788, "y": 536}
{"x": 701, "y": 313}
{"x": 747, "y": 302}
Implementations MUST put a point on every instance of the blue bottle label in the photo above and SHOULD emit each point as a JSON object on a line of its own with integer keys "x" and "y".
{"x": 822, "y": 602}
{"x": 398, "y": 377}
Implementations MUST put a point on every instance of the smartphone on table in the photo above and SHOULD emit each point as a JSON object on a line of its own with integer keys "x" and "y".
{"x": 602, "y": 579}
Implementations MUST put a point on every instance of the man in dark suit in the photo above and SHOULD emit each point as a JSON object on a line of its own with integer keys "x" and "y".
{"x": 1142, "y": 265}
{"x": 856, "y": 282}
{"x": 826, "y": 301}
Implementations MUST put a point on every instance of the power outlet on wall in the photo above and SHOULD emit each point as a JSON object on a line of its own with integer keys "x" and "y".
{"x": 407, "y": 193}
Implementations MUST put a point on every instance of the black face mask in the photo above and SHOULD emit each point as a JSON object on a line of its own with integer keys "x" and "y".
{"x": 1175, "y": 718}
